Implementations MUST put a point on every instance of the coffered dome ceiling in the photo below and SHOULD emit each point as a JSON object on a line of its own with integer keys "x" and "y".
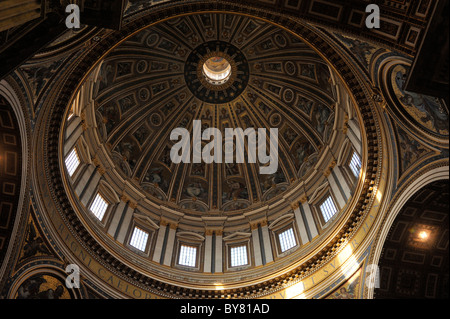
{"x": 151, "y": 84}
{"x": 228, "y": 71}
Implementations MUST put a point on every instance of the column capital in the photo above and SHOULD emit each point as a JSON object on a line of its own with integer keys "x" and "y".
{"x": 254, "y": 224}
{"x": 345, "y": 125}
{"x": 330, "y": 167}
{"x": 133, "y": 204}
{"x": 210, "y": 231}
{"x": 173, "y": 225}
{"x": 101, "y": 170}
{"x": 163, "y": 222}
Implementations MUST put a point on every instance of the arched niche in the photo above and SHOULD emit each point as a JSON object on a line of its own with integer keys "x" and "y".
{"x": 412, "y": 247}
{"x": 14, "y": 168}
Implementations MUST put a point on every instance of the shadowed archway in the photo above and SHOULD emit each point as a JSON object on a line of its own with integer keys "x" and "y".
{"x": 414, "y": 260}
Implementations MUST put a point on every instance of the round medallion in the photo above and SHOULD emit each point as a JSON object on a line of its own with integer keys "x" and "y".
{"x": 141, "y": 66}
{"x": 155, "y": 119}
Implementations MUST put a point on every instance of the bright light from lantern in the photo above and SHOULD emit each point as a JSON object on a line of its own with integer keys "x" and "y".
{"x": 423, "y": 235}
{"x": 217, "y": 70}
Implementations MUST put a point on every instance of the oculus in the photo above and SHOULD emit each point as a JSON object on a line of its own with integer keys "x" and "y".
{"x": 216, "y": 72}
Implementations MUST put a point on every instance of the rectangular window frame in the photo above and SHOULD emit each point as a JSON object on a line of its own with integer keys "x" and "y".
{"x": 190, "y": 247}
{"x": 327, "y": 200}
{"x": 346, "y": 169}
{"x": 232, "y": 248}
{"x": 282, "y": 231}
{"x": 352, "y": 163}
{"x": 100, "y": 201}
{"x": 280, "y": 227}
{"x": 72, "y": 156}
{"x": 143, "y": 236}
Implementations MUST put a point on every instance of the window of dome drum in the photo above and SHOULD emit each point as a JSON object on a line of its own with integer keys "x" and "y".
{"x": 99, "y": 207}
{"x": 139, "y": 239}
{"x": 217, "y": 70}
{"x": 355, "y": 164}
{"x": 328, "y": 209}
{"x": 188, "y": 255}
{"x": 72, "y": 161}
{"x": 287, "y": 239}
{"x": 238, "y": 256}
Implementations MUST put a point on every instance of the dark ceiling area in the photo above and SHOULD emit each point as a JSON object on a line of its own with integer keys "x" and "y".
{"x": 10, "y": 172}
{"x": 414, "y": 261}
{"x": 433, "y": 55}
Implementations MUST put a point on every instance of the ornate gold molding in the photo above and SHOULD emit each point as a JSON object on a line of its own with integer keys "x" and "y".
{"x": 345, "y": 125}
{"x": 330, "y": 167}
{"x": 303, "y": 199}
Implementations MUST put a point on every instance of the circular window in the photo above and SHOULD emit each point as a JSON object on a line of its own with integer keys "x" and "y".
{"x": 217, "y": 70}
